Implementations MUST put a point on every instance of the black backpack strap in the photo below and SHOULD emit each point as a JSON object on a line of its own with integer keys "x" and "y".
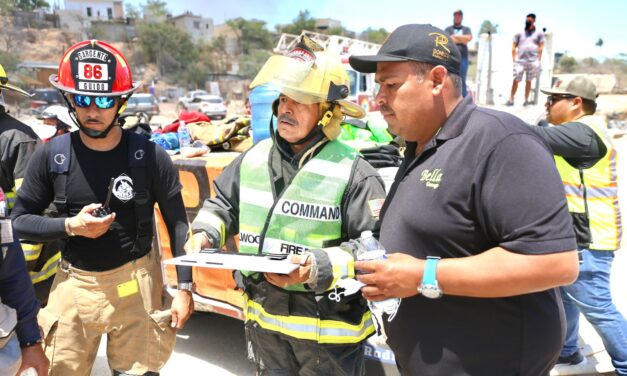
{"x": 59, "y": 165}
{"x": 137, "y": 160}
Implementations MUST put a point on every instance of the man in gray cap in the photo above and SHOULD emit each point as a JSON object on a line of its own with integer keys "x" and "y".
{"x": 476, "y": 223}
{"x": 587, "y": 163}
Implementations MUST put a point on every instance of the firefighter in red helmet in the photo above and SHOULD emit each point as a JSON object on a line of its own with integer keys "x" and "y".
{"x": 94, "y": 71}
{"x": 109, "y": 279}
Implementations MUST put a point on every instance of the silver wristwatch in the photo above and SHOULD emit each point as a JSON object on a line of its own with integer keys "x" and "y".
{"x": 186, "y": 286}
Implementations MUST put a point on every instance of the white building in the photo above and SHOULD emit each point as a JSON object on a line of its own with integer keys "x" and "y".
{"x": 96, "y": 9}
{"x": 198, "y": 27}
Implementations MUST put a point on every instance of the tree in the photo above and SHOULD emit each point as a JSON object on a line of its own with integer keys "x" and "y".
{"x": 374, "y": 36}
{"x": 131, "y": 11}
{"x": 11, "y": 37}
{"x": 171, "y": 48}
{"x": 303, "y": 21}
{"x": 590, "y": 62}
{"x": 217, "y": 55}
{"x": 250, "y": 66}
{"x": 488, "y": 26}
{"x": 251, "y": 34}
{"x": 156, "y": 8}
{"x": 29, "y": 5}
{"x": 6, "y": 8}
{"x": 567, "y": 64}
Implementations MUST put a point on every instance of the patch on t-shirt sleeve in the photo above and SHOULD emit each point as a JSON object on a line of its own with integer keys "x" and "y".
{"x": 375, "y": 206}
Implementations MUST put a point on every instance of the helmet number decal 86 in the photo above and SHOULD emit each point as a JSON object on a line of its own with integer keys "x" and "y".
{"x": 93, "y": 72}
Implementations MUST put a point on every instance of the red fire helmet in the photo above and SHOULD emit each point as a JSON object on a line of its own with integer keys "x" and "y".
{"x": 94, "y": 68}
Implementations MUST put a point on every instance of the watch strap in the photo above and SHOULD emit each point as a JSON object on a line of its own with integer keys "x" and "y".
{"x": 429, "y": 274}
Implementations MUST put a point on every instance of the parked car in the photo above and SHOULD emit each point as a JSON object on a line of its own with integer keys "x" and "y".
{"x": 210, "y": 105}
{"x": 146, "y": 103}
{"x": 44, "y": 98}
{"x": 184, "y": 102}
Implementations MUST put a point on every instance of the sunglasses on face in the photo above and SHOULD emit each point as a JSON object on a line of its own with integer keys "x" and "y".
{"x": 554, "y": 98}
{"x": 84, "y": 101}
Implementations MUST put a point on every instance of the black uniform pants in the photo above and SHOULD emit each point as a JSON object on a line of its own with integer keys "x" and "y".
{"x": 278, "y": 355}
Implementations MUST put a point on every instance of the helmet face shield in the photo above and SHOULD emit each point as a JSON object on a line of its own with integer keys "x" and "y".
{"x": 309, "y": 77}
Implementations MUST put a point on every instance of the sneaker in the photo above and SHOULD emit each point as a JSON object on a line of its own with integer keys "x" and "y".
{"x": 572, "y": 360}
{"x": 509, "y": 103}
{"x": 527, "y": 103}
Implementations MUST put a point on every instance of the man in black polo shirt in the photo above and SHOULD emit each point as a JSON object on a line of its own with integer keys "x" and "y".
{"x": 479, "y": 198}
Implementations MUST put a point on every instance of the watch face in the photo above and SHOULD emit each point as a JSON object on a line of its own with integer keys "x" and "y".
{"x": 431, "y": 291}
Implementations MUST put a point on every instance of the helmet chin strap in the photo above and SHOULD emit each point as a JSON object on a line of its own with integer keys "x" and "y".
{"x": 88, "y": 131}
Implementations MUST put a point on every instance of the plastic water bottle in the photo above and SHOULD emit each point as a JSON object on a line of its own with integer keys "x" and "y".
{"x": 29, "y": 372}
{"x": 372, "y": 250}
{"x": 184, "y": 138}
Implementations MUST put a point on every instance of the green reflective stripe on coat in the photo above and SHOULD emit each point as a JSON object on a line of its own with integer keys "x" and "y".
{"x": 254, "y": 189}
{"x": 31, "y": 251}
{"x": 309, "y": 328}
{"x": 47, "y": 271}
{"x": 601, "y": 182}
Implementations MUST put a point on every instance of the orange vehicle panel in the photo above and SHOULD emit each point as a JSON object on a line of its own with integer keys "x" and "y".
{"x": 197, "y": 176}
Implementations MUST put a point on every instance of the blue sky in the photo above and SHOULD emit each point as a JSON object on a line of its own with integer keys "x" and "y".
{"x": 576, "y": 24}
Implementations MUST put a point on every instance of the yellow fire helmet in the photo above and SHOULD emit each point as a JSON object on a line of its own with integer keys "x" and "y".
{"x": 4, "y": 83}
{"x": 308, "y": 75}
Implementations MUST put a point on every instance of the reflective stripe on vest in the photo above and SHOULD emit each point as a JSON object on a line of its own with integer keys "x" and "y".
{"x": 10, "y": 198}
{"x": 31, "y": 251}
{"x": 47, "y": 271}
{"x": 601, "y": 190}
{"x": 321, "y": 331}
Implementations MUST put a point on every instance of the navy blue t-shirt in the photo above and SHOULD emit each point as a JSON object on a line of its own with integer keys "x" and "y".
{"x": 484, "y": 181}
{"x": 87, "y": 182}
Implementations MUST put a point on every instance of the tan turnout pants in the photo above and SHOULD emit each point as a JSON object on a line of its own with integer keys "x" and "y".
{"x": 126, "y": 303}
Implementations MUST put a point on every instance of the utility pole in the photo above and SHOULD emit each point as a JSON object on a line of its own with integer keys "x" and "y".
{"x": 489, "y": 91}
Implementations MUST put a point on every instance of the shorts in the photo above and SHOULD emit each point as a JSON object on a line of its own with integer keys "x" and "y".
{"x": 528, "y": 68}
{"x": 126, "y": 303}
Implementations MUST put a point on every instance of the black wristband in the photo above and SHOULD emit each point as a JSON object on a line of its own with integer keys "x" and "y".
{"x": 31, "y": 343}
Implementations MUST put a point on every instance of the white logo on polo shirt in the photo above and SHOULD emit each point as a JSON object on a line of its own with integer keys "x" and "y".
{"x": 433, "y": 178}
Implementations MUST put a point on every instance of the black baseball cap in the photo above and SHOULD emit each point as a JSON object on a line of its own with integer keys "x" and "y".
{"x": 423, "y": 43}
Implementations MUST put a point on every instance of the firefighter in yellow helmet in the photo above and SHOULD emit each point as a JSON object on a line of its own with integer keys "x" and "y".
{"x": 300, "y": 193}
{"x": 17, "y": 143}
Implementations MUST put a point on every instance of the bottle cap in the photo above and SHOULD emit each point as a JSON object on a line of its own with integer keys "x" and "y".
{"x": 366, "y": 234}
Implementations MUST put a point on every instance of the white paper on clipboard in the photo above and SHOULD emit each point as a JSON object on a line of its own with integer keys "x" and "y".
{"x": 220, "y": 260}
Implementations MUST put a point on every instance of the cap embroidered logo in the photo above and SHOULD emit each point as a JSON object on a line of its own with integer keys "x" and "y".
{"x": 440, "y": 40}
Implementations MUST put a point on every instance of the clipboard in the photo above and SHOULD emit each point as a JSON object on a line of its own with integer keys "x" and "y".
{"x": 215, "y": 259}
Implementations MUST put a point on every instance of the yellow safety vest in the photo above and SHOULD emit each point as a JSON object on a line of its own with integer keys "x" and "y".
{"x": 601, "y": 185}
